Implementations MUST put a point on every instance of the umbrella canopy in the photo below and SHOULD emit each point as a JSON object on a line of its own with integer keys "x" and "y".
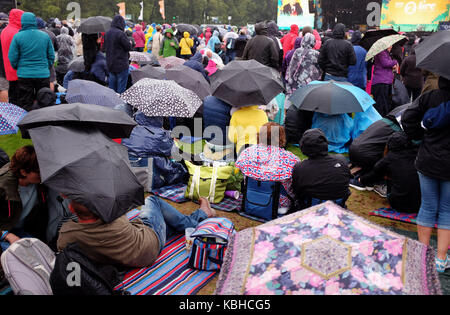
{"x": 383, "y": 44}
{"x": 171, "y": 62}
{"x": 140, "y": 56}
{"x": 157, "y": 98}
{"x": 181, "y": 28}
{"x": 190, "y": 79}
{"x": 326, "y": 250}
{"x": 246, "y": 83}
{"x": 113, "y": 123}
{"x": 371, "y": 36}
{"x": 95, "y": 24}
{"x": 89, "y": 168}
{"x": 148, "y": 72}
{"x": 10, "y": 116}
{"x": 433, "y": 54}
{"x": 267, "y": 163}
{"x": 89, "y": 92}
{"x": 150, "y": 59}
{"x": 77, "y": 64}
{"x": 331, "y": 98}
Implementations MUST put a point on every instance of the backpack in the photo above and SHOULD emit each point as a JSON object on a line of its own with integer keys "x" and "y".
{"x": 93, "y": 278}
{"x": 27, "y": 265}
{"x": 210, "y": 244}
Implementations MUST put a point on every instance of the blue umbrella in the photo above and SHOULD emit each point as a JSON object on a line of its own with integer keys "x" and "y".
{"x": 89, "y": 92}
{"x": 332, "y": 98}
{"x": 10, "y": 116}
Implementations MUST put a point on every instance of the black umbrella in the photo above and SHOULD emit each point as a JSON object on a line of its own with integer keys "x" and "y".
{"x": 87, "y": 167}
{"x": 372, "y": 36}
{"x": 433, "y": 54}
{"x": 190, "y": 79}
{"x": 246, "y": 83}
{"x": 113, "y": 123}
{"x": 181, "y": 28}
{"x": 95, "y": 24}
{"x": 89, "y": 92}
{"x": 148, "y": 72}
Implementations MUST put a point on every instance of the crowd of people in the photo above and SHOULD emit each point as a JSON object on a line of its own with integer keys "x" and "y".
{"x": 409, "y": 166}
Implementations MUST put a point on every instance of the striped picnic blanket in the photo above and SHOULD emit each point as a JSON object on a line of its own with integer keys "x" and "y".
{"x": 169, "y": 275}
{"x": 176, "y": 194}
{"x": 392, "y": 214}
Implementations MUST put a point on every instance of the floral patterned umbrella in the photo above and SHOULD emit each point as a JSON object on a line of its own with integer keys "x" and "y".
{"x": 170, "y": 62}
{"x": 10, "y": 116}
{"x": 383, "y": 44}
{"x": 137, "y": 56}
{"x": 326, "y": 250}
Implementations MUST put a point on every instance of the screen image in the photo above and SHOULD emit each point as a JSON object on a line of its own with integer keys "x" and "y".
{"x": 294, "y": 12}
{"x": 412, "y": 15}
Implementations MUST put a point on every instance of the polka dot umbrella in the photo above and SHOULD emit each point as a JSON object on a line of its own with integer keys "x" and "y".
{"x": 10, "y": 116}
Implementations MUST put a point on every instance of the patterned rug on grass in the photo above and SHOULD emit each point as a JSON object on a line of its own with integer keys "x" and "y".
{"x": 392, "y": 214}
{"x": 176, "y": 194}
{"x": 169, "y": 275}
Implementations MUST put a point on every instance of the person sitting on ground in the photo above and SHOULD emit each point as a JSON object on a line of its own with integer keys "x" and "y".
{"x": 268, "y": 158}
{"x": 403, "y": 187}
{"x": 245, "y": 124}
{"x": 22, "y": 203}
{"x": 133, "y": 244}
{"x": 322, "y": 176}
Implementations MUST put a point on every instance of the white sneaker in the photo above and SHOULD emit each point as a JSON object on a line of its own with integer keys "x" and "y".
{"x": 381, "y": 190}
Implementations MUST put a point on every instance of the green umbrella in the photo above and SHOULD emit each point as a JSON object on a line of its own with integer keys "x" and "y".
{"x": 383, "y": 44}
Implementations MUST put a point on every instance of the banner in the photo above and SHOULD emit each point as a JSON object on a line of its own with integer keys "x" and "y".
{"x": 161, "y": 9}
{"x": 122, "y": 11}
{"x": 412, "y": 15}
{"x": 294, "y": 12}
{"x": 141, "y": 16}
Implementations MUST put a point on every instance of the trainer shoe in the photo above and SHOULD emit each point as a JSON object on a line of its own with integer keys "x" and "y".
{"x": 381, "y": 190}
{"x": 356, "y": 184}
{"x": 442, "y": 265}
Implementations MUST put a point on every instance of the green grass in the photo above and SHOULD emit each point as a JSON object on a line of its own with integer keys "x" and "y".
{"x": 10, "y": 143}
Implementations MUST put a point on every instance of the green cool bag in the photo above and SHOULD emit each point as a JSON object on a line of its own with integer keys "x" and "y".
{"x": 207, "y": 182}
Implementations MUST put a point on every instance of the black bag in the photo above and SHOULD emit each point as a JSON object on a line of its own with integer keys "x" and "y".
{"x": 217, "y": 48}
{"x": 94, "y": 278}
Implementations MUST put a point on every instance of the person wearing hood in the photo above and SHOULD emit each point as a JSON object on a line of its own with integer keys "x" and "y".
{"x": 288, "y": 40}
{"x": 169, "y": 45}
{"x": 7, "y": 36}
{"x": 261, "y": 48}
{"x": 66, "y": 53}
{"x": 208, "y": 35}
{"x": 241, "y": 42}
{"x": 186, "y": 45}
{"x": 304, "y": 67}
{"x": 273, "y": 31}
{"x": 4, "y": 84}
{"x": 45, "y": 98}
{"x": 196, "y": 63}
{"x": 157, "y": 40}
{"x": 403, "y": 187}
{"x": 148, "y": 39}
{"x": 118, "y": 49}
{"x": 433, "y": 166}
{"x": 32, "y": 55}
{"x": 322, "y": 176}
{"x": 99, "y": 69}
{"x": 412, "y": 76}
{"x": 336, "y": 55}
{"x": 288, "y": 58}
{"x": 214, "y": 42}
{"x": 357, "y": 74}
{"x": 382, "y": 80}
{"x": 139, "y": 38}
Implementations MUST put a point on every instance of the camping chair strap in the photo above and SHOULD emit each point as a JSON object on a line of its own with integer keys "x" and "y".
{"x": 212, "y": 189}
{"x": 195, "y": 183}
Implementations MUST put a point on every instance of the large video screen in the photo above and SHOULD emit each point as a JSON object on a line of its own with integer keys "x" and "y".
{"x": 412, "y": 15}
{"x": 295, "y": 12}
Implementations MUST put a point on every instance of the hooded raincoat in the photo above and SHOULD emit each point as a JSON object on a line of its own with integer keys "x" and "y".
{"x": 139, "y": 37}
{"x": 31, "y": 51}
{"x": 186, "y": 43}
{"x": 169, "y": 46}
{"x": 66, "y": 50}
{"x": 288, "y": 41}
{"x": 213, "y": 41}
{"x": 262, "y": 48}
{"x": 7, "y": 35}
{"x": 117, "y": 46}
{"x": 304, "y": 67}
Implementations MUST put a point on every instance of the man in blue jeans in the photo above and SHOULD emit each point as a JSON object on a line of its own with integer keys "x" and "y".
{"x": 133, "y": 244}
{"x": 118, "y": 47}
